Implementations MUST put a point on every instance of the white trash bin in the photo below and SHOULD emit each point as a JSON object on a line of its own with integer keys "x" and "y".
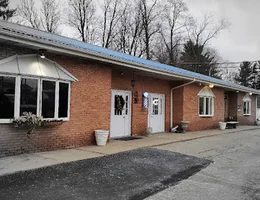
{"x": 101, "y": 137}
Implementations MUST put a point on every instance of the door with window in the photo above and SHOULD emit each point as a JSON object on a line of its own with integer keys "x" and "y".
{"x": 156, "y": 112}
{"x": 120, "y": 125}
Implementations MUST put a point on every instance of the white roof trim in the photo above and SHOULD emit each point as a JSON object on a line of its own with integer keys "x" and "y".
{"x": 246, "y": 98}
{"x": 34, "y": 65}
{"x": 206, "y": 92}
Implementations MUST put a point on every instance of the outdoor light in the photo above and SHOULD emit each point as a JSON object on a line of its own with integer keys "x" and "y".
{"x": 133, "y": 83}
{"x": 133, "y": 80}
{"x": 211, "y": 86}
{"x": 237, "y": 91}
{"x": 250, "y": 93}
{"x": 42, "y": 55}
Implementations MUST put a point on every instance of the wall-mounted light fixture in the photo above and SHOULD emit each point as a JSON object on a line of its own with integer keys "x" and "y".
{"x": 237, "y": 91}
{"x": 250, "y": 93}
{"x": 42, "y": 53}
{"x": 133, "y": 83}
{"x": 211, "y": 86}
{"x": 133, "y": 80}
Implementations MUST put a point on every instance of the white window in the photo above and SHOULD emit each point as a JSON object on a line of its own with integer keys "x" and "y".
{"x": 31, "y": 92}
{"x": 206, "y": 102}
{"x": 7, "y": 98}
{"x": 247, "y": 105}
{"x": 40, "y": 97}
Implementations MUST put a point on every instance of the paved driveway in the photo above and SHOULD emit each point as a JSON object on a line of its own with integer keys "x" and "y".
{"x": 234, "y": 174}
{"x": 130, "y": 175}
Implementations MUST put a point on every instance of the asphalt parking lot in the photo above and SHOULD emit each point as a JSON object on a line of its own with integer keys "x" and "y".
{"x": 234, "y": 174}
{"x": 134, "y": 174}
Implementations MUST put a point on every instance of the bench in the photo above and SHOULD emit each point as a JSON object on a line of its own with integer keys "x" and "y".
{"x": 232, "y": 124}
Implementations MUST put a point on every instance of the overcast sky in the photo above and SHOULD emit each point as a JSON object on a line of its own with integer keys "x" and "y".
{"x": 242, "y": 40}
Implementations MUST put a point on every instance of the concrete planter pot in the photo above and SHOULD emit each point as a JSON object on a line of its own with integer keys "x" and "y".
{"x": 184, "y": 125}
{"x": 101, "y": 137}
{"x": 258, "y": 122}
{"x": 222, "y": 125}
{"x": 149, "y": 131}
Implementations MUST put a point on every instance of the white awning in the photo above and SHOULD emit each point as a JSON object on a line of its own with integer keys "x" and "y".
{"x": 246, "y": 98}
{"x": 206, "y": 92}
{"x": 34, "y": 65}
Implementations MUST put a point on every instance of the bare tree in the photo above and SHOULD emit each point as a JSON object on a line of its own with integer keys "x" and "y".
{"x": 174, "y": 21}
{"x": 111, "y": 16}
{"x": 28, "y": 14}
{"x": 129, "y": 38}
{"x": 195, "y": 49}
{"x": 81, "y": 16}
{"x": 47, "y": 17}
{"x": 201, "y": 33}
{"x": 149, "y": 13}
{"x": 50, "y": 16}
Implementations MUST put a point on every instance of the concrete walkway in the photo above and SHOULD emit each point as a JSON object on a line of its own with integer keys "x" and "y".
{"x": 25, "y": 162}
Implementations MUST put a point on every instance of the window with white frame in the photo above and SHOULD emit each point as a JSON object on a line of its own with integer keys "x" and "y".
{"x": 47, "y": 98}
{"x": 7, "y": 97}
{"x": 30, "y": 91}
{"x": 206, "y": 102}
{"x": 28, "y": 95}
{"x": 247, "y": 105}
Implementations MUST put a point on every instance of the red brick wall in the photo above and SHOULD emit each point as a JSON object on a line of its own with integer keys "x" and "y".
{"x": 232, "y": 105}
{"x": 9, "y": 50}
{"x": 142, "y": 84}
{"x": 89, "y": 109}
{"x": 246, "y": 119}
{"x": 90, "y": 106}
{"x": 190, "y": 108}
{"x": 226, "y": 106}
{"x": 177, "y": 106}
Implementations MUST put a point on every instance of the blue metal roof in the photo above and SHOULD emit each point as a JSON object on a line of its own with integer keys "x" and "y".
{"x": 33, "y": 34}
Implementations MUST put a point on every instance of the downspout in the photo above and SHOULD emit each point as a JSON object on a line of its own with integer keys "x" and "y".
{"x": 174, "y": 88}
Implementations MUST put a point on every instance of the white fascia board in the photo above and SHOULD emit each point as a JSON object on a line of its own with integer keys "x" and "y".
{"x": 82, "y": 53}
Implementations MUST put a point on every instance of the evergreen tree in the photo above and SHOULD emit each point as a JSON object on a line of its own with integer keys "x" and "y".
{"x": 5, "y": 12}
{"x": 255, "y": 67}
{"x": 245, "y": 76}
{"x": 201, "y": 60}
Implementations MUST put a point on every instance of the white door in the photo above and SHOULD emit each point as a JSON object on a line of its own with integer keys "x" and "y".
{"x": 258, "y": 108}
{"x": 156, "y": 112}
{"x": 120, "y": 125}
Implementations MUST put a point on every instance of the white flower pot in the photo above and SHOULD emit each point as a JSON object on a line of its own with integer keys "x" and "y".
{"x": 149, "y": 131}
{"x": 222, "y": 125}
{"x": 101, "y": 137}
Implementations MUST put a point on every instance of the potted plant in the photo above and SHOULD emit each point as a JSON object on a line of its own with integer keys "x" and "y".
{"x": 148, "y": 131}
{"x": 258, "y": 122}
{"x": 184, "y": 125}
{"x": 28, "y": 121}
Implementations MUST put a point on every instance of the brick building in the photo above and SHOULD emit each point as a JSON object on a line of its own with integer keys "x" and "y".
{"x": 89, "y": 88}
